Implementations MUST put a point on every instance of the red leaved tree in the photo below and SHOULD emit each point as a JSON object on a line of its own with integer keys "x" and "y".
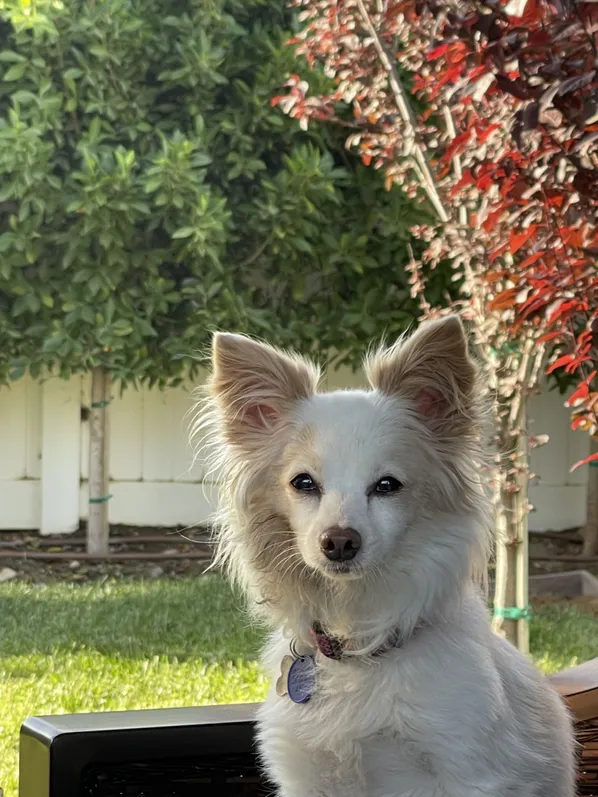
{"x": 488, "y": 112}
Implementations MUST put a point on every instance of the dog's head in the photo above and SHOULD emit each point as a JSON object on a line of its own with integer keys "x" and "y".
{"x": 342, "y": 485}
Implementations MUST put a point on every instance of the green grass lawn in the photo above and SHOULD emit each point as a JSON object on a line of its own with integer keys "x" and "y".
{"x": 71, "y": 648}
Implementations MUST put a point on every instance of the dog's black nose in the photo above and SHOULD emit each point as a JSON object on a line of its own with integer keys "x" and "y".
{"x": 340, "y": 545}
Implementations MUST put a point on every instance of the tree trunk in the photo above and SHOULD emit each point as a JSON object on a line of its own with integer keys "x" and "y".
{"x": 590, "y": 532}
{"x": 511, "y": 587}
{"x": 97, "y": 524}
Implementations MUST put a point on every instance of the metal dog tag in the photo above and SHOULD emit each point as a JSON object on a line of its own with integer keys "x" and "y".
{"x": 281, "y": 684}
{"x": 301, "y": 679}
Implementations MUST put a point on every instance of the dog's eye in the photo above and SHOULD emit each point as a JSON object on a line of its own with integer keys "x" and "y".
{"x": 304, "y": 483}
{"x": 388, "y": 484}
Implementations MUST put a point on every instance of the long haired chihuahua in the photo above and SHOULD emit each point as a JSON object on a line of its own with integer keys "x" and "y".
{"x": 358, "y": 525}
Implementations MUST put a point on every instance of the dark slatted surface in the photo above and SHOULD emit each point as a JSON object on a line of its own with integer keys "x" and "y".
{"x": 235, "y": 776}
{"x": 587, "y": 735}
{"x": 224, "y": 776}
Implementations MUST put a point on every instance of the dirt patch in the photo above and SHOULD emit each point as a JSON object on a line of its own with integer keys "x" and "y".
{"x": 74, "y": 568}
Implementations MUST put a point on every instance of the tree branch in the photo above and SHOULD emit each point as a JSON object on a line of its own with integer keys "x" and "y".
{"x": 406, "y": 112}
{"x": 256, "y": 253}
{"x": 450, "y": 127}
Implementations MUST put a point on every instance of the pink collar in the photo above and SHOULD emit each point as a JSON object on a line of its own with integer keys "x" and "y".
{"x": 334, "y": 648}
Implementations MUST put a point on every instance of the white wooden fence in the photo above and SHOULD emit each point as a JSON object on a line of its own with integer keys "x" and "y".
{"x": 44, "y": 458}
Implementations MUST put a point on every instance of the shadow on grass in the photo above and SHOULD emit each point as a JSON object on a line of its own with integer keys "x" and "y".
{"x": 183, "y": 619}
{"x": 200, "y": 619}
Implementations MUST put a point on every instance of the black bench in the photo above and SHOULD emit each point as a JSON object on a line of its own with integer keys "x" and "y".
{"x": 205, "y": 752}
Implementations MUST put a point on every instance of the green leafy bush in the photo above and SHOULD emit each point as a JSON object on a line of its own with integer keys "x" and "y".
{"x": 149, "y": 193}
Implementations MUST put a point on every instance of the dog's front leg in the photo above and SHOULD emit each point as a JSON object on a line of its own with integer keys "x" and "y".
{"x": 298, "y": 770}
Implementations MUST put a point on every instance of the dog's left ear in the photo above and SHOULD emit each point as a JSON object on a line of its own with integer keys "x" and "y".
{"x": 432, "y": 369}
{"x": 256, "y": 385}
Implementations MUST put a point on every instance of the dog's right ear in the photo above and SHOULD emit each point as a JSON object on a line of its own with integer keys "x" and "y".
{"x": 255, "y": 385}
{"x": 432, "y": 369}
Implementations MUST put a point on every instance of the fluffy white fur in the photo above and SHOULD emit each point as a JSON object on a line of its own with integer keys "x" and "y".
{"x": 456, "y": 711}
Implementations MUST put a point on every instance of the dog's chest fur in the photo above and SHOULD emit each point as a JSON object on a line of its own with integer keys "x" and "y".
{"x": 440, "y": 717}
{"x": 368, "y": 721}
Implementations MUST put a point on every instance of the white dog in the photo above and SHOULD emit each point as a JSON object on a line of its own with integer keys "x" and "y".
{"x": 354, "y": 521}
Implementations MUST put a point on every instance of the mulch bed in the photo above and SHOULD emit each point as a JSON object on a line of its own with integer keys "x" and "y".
{"x": 181, "y": 540}
{"x": 75, "y": 569}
